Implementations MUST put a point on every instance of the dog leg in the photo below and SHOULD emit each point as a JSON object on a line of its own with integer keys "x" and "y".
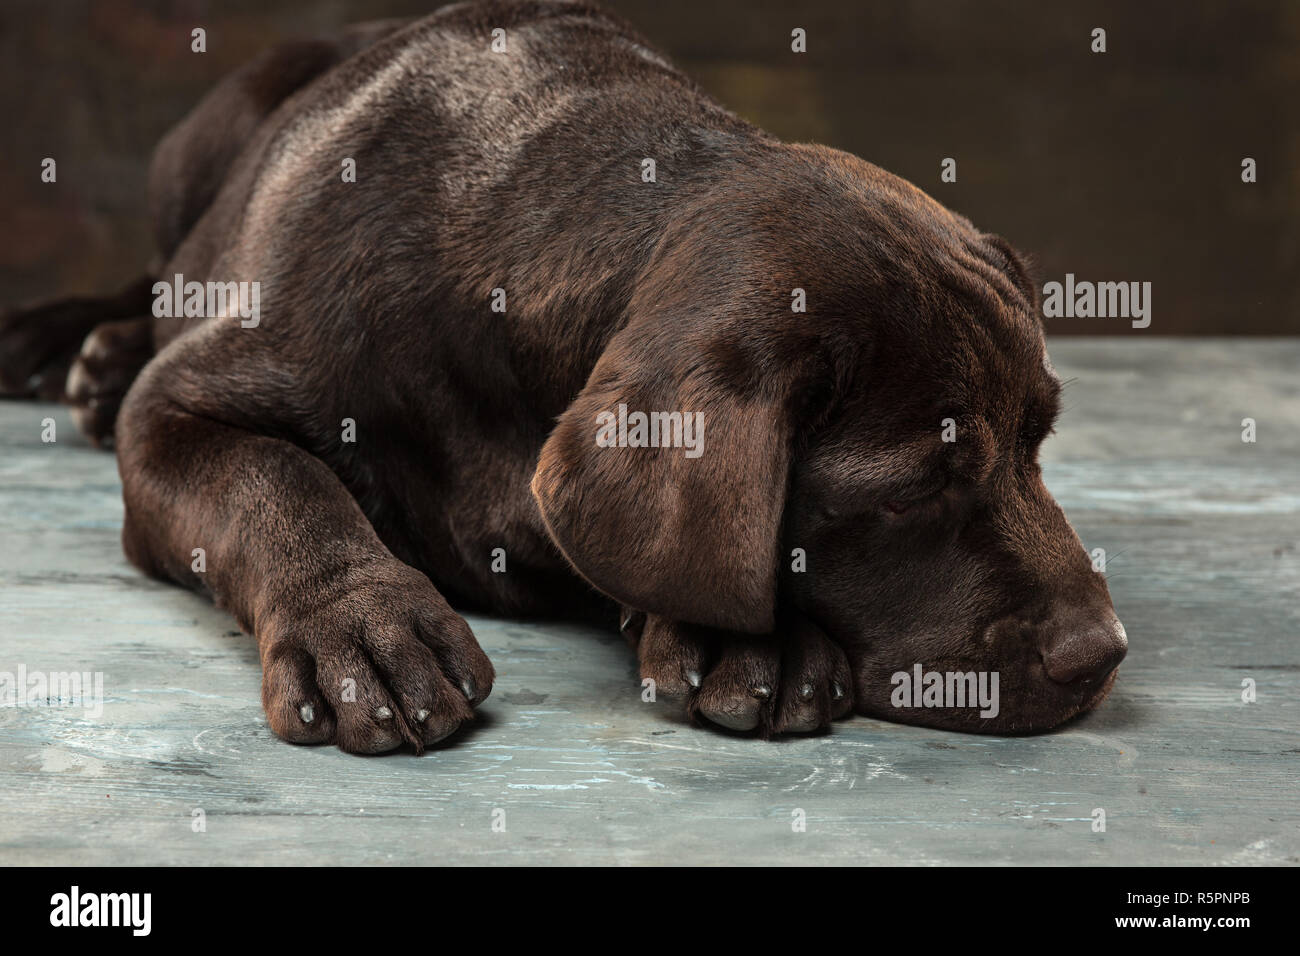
{"x": 795, "y": 681}
{"x": 38, "y": 344}
{"x": 357, "y": 648}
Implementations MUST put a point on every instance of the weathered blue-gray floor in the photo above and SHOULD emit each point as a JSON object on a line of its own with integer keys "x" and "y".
{"x": 1201, "y": 529}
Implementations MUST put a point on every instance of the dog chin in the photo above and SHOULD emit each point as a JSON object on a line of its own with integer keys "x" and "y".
{"x": 1031, "y": 705}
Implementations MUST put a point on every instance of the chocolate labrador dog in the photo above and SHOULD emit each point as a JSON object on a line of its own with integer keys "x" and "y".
{"x": 497, "y": 309}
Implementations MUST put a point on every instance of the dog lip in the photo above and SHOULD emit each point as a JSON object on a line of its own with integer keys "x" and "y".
{"x": 1094, "y": 696}
{"x": 1071, "y": 699}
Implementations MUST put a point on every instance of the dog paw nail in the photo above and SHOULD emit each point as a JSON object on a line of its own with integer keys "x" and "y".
{"x": 693, "y": 678}
{"x": 761, "y": 691}
{"x": 837, "y": 692}
{"x": 806, "y": 692}
{"x": 632, "y": 623}
{"x": 306, "y": 713}
{"x": 383, "y": 713}
{"x": 422, "y": 716}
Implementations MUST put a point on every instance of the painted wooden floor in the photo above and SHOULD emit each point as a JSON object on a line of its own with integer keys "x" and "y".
{"x": 1202, "y": 531}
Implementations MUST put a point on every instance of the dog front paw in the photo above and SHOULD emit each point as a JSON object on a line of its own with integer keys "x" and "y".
{"x": 795, "y": 681}
{"x": 381, "y": 661}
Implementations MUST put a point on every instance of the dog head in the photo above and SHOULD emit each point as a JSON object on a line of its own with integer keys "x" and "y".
{"x": 869, "y": 462}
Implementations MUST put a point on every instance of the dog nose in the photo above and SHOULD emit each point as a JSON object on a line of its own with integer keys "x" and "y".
{"x": 1087, "y": 653}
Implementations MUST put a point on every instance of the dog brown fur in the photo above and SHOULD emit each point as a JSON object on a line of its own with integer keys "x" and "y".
{"x": 521, "y": 171}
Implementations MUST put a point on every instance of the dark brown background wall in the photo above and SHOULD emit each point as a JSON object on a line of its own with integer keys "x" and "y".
{"x": 1115, "y": 166}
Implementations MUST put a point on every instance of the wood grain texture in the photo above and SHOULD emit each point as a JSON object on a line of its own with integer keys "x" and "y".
{"x": 1203, "y": 537}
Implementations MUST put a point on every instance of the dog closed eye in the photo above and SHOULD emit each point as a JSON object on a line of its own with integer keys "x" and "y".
{"x": 911, "y": 499}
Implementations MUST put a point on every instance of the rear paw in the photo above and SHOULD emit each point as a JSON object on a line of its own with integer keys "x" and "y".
{"x": 38, "y": 344}
{"x": 385, "y": 662}
{"x": 101, "y": 373}
{"x": 794, "y": 681}
{"x": 34, "y": 356}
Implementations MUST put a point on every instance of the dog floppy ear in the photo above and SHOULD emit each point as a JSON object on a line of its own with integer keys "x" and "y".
{"x": 690, "y": 534}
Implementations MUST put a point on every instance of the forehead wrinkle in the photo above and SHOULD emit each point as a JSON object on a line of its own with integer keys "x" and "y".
{"x": 1002, "y": 324}
{"x": 980, "y": 366}
{"x": 976, "y": 259}
{"x": 1004, "y": 355}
